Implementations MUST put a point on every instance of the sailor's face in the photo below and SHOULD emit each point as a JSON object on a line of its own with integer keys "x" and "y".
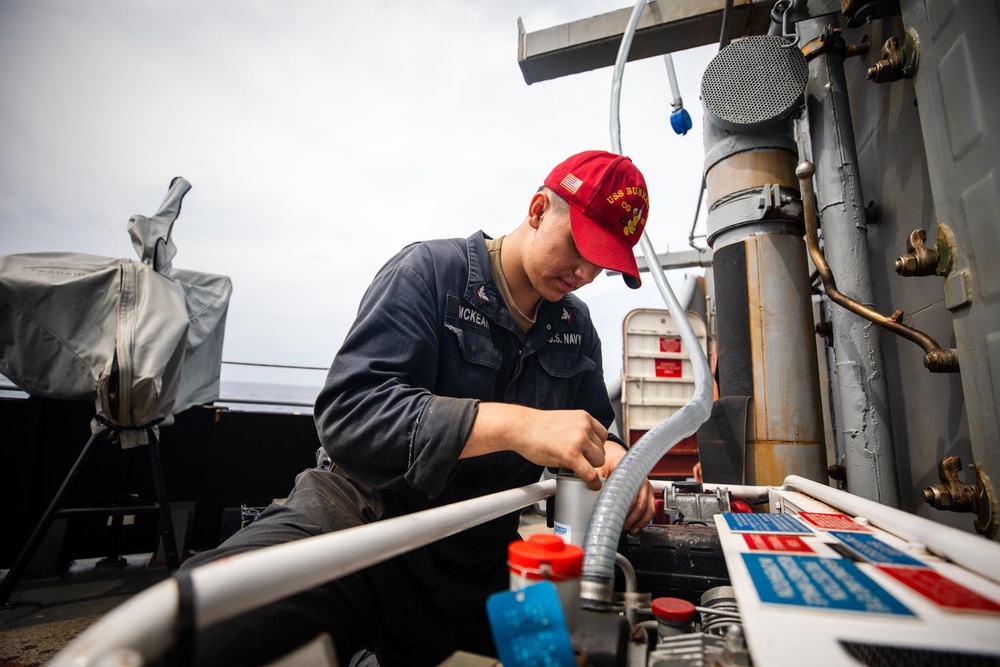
{"x": 558, "y": 267}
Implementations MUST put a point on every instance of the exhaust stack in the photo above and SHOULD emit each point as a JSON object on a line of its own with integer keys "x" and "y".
{"x": 767, "y": 350}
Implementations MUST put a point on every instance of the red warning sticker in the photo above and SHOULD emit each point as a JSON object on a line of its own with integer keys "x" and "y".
{"x": 781, "y": 543}
{"x": 670, "y": 344}
{"x": 940, "y": 590}
{"x": 668, "y": 368}
{"x": 831, "y": 521}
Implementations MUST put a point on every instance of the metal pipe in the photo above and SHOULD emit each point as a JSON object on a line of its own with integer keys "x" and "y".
{"x": 240, "y": 583}
{"x": 686, "y": 294}
{"x": 765, "y": 332}
{"x": 865, "y": 425}
{"x": 936, "y": 359}
{"x": 767, "y": 350}
{"x": 262, "y": 401}
{"x": 724, "y": 30}
{"x": 697, "y": 210}
{"x": 676, "y": 102}
{"x": 631, "y": 588}
{"x": 972, "y": 552}
{"x": 746, "y": 492}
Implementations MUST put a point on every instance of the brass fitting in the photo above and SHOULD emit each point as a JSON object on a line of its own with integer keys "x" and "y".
{"x": 898, "y": 62}
{"x": 955, "y": 495}
{"x": 952, "y": 494}
{"x": 919, "y": 260}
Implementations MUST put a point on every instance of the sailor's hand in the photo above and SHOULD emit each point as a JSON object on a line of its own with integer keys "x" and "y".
{"x": 570, "y": 439}
{"x": 640, "y": 513}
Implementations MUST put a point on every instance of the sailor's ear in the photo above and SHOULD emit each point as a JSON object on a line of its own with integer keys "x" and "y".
{"x": 539, "y": 204}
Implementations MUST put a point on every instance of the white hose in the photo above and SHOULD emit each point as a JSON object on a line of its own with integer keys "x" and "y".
{"x": 231, "y": 586}
{"x": 601, "y": 541}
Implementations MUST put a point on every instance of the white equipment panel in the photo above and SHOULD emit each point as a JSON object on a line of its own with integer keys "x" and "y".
{"x": 818, "y": 586}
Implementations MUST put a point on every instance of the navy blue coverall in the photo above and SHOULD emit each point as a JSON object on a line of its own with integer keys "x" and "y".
{"x": 432, "y": 339}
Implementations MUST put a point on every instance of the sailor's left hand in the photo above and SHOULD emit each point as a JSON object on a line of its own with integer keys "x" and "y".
{"x": 643, "y": 506}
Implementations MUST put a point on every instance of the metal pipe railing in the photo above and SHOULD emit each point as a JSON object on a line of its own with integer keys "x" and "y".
{"x": 745, "y": 492}
{"x": 145, "y": 624}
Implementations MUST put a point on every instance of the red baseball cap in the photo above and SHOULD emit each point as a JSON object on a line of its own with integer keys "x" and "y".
{"x": 608, "y": 208}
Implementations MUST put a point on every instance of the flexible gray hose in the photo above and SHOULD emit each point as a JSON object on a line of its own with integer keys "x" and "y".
{"x": 606, "y": 523}
{"x": 616, "y": 81}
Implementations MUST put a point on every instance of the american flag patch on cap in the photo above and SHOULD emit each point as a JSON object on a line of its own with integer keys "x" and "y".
{"x": 571, "y": 183}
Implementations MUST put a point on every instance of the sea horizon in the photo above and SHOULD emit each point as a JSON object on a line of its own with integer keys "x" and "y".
{"x": 272, "y": 396}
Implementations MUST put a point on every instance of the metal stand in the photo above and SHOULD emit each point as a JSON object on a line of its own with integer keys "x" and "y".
{"x": 55, "y": 511}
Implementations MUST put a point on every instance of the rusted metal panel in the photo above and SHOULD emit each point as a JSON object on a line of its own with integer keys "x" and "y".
{"x": 768, "y": 463}
{"x": 787, "y": 404}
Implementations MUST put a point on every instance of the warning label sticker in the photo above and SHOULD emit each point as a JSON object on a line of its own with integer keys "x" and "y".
{"x": 831, "y": 521}
{"x": 940, "y": 590}
{"x": 824, "y": 583}
{"x": 746, "y": 522}
{"x": 668, "y": 368}
{"x": 670, "y": 344}
{"x": 779, "y": 543}
{"x": 875, "y": 550}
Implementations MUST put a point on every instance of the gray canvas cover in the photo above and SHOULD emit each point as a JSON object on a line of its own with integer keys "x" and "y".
{"x": 142, "y": 339}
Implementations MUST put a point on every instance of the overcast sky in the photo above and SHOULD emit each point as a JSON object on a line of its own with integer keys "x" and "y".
{"x": 319, "y": 138}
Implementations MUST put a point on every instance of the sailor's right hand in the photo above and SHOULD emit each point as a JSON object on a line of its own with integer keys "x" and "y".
{"x": 570, "y": 439}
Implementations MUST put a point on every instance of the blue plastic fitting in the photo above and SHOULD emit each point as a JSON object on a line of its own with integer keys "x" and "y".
{"x": 680, "y": 120}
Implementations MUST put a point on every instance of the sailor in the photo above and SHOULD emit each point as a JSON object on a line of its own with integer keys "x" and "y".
{"x": 471, "y": 366}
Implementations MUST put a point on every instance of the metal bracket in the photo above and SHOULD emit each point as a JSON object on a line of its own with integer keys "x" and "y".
{"x": 769, "y": 202}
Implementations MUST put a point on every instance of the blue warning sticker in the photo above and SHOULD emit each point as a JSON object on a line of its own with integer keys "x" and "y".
{"x": 529, "y": 628}
{"x": 824, "y": 583}
{"x": 875, "y": 550}
{"x": 752, "y": 522}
